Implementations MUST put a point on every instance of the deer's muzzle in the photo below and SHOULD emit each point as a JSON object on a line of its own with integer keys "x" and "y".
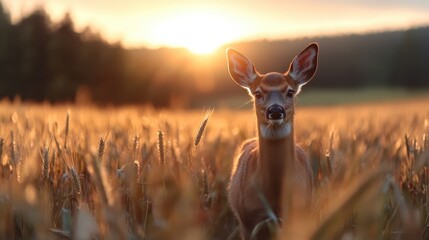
{"x": 275, "y": 112}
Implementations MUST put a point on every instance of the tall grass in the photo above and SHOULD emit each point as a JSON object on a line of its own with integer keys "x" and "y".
{"x": 136, "y": 173}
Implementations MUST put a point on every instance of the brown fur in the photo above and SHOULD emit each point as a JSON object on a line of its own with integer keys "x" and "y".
{"x": 253, "y": 172}
{"x": 274, "y": 168}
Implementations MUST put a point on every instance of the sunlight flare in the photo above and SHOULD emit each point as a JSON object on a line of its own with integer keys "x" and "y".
{"x": 201, "y": 32}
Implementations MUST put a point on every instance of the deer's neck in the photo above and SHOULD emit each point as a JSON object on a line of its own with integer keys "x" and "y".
{"x": 275, "y": 156}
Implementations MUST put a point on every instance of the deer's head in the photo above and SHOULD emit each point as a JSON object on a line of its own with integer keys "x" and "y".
{"x": 274, "y": 93}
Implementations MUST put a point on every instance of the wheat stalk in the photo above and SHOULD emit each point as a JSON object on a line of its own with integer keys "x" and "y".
{"x": 202, "y": 128}
{"x": 57, "y": 145}
{"x": 161, "y": 147}
{"x": 66, "y": 130}
{"x": 13, "y": 160}
{"x": 135, "y": 146}
{"x": 45, "y": 164}
{"x": 101, "y": 145}
{"x": 99, "y": 180}
{"x": 76, "y": 181}
{"x": 1, "y": 148}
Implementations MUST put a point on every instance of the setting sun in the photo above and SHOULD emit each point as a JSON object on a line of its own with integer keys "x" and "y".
{"x": 199, "y": 31}
{"x": 203, "y": 26}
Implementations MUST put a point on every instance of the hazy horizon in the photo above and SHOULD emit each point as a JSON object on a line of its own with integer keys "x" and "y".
{"x": 204, "y": 26}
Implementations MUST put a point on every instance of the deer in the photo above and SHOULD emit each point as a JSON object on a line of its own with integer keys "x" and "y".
{"x": 271, "y": 168}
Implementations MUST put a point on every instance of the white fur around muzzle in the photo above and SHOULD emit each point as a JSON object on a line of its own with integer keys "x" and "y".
{"x": 276, "y": 130}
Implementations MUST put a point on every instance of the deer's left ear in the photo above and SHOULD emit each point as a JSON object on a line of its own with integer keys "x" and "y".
{"x": 304, "y": 65}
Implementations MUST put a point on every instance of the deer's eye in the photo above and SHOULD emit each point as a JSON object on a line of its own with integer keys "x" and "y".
{"x": 258, "y": 95}
{"x": 290, "y": 93}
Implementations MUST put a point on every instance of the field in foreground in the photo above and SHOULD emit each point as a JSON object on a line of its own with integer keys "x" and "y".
{"x": 135, "y": 173}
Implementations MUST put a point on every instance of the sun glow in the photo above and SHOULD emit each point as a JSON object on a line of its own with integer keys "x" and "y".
{"x": 201, "y": 32}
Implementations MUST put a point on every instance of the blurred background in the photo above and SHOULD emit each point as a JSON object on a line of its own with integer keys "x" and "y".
{"x": 172, "y": 53}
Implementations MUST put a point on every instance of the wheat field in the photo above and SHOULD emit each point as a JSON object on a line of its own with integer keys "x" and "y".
{"x": 82, "y": 172}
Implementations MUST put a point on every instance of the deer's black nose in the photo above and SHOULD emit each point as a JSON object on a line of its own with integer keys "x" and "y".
{"x": 275, "y": 112}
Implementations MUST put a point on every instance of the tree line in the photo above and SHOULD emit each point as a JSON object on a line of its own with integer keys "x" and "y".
{"x": 41, "y": 60}
{"x": 45, "y": 61}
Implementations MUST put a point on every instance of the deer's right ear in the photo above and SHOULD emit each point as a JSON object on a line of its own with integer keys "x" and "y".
{"x": 240, "y": 68}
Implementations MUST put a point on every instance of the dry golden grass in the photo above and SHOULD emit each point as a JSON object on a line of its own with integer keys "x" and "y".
{"x": 72, "y": 172}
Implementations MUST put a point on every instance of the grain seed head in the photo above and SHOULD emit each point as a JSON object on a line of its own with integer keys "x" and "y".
{"x": 101, "y": 146}
{"x": 45, "y": 164}
{"x": 161, "y": 146}
{"x": 76, "y": 181}
{"x": 202, "y": 128}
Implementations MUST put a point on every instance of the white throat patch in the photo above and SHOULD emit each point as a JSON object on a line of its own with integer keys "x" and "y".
{"x": 275, "y": 131}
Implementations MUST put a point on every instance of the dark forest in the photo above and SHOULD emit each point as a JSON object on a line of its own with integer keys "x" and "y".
{"x": 45, "y": 61}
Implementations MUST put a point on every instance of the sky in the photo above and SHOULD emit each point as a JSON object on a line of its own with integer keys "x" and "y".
{"x": 202, "y": 25}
